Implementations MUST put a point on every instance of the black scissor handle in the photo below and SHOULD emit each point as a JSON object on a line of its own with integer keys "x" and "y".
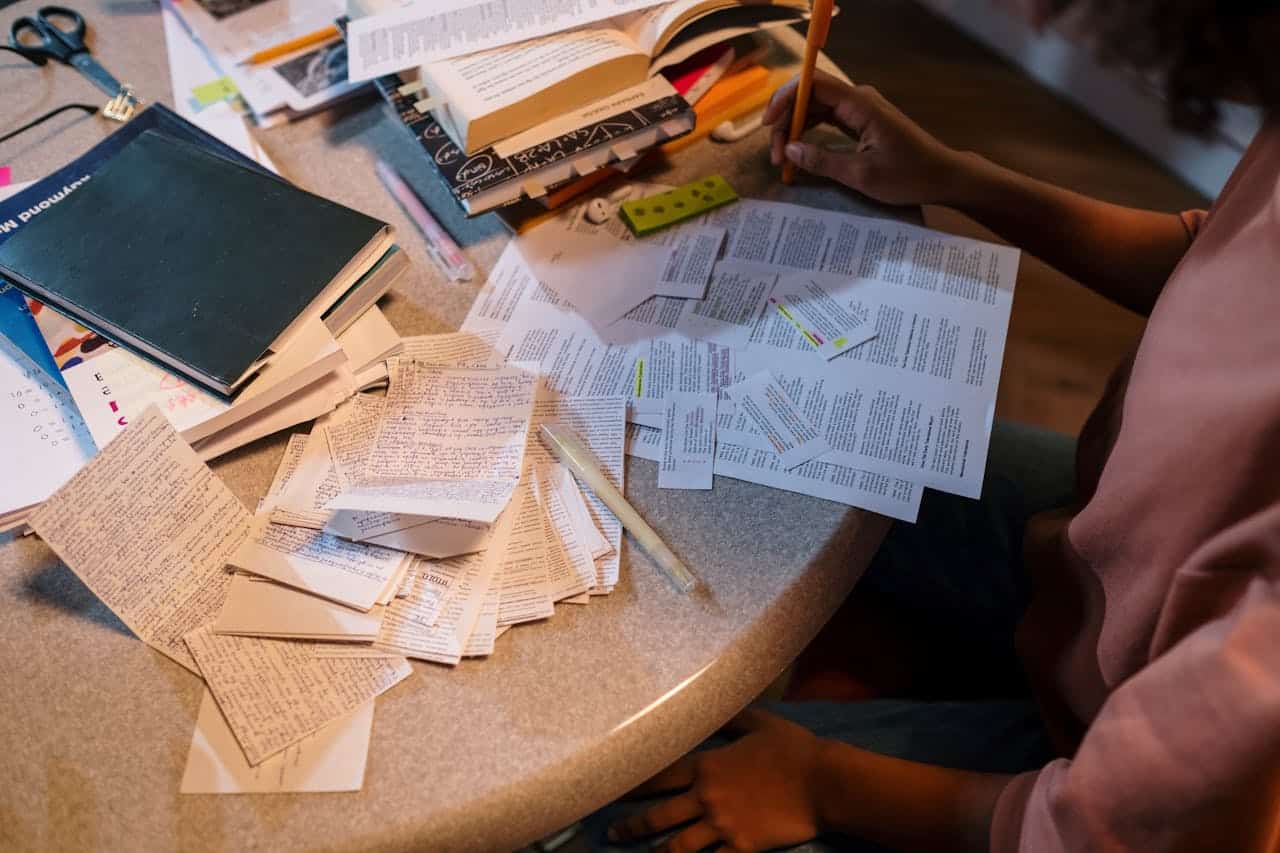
{"x": 42, "y": 48}
{"x": 72, "y": 37}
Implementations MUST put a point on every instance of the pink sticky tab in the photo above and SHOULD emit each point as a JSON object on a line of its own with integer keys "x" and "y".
{"x": 6, "y": 177}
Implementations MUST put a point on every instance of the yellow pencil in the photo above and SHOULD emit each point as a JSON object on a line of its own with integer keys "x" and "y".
{"x": 819, "y": 26}
{"x": 270, "y": 53}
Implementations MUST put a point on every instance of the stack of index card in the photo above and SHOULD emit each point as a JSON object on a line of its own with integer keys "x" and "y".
{"x": 296, "y": 616}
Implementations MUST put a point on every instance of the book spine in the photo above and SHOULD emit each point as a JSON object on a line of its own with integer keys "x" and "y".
{"x": 467, "y": 177}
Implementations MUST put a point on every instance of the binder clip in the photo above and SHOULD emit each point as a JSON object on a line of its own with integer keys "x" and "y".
{"x": 123, "y": 106}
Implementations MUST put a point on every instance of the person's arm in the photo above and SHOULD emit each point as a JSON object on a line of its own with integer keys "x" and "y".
{"x": 904, "y": 805}
{"x": 1123, "y": 253}
{"x": 779, "y": 785}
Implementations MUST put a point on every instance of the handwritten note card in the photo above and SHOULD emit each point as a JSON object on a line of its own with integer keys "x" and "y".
{"x": 450, "y": 443}
{"x": 149, "y": 528}
{"x": 273, "y": 693}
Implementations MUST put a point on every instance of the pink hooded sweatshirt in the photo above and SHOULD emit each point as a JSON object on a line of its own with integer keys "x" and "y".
{"x": 1153, "y": 637}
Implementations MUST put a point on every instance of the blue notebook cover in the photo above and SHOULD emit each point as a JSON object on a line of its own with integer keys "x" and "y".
{"x": 16, "y": 322}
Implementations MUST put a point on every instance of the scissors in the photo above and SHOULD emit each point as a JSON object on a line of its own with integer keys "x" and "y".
{"x": 40, "y": 38}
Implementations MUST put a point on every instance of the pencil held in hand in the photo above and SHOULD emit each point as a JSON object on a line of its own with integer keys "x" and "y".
{"x": 819, "y": 26}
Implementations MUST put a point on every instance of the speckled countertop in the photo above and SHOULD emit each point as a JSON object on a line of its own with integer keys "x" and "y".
{"x": 566, "y": 714}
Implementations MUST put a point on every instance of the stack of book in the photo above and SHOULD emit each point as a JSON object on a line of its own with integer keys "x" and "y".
{"x": 164, "y": 268}
{"x": 523, "y": 121}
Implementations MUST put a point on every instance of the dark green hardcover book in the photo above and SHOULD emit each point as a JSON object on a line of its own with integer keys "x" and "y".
{"x": 192, "y": 260}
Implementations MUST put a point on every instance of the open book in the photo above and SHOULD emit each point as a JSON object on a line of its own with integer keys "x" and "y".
{"x": 491, "y": 95}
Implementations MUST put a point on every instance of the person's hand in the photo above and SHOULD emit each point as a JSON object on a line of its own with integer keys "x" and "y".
{"x": 754, "y": 794}
{"x": 895, "y": 160}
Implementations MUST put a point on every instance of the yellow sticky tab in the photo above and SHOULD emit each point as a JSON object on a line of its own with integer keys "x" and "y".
{"x": 647, "y": 215}
{"x": 214, "y": 91}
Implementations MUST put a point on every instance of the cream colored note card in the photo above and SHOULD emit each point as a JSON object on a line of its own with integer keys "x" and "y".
{"x": 257, "y": 607}
{"x": 273, "y": 693}
{"x": 350, "y": 573}
{"x": 149, "y": 528}
{"x": 450, "y": 443}
{"x": 331, "y": 759}
{"x": 455, "y": 349}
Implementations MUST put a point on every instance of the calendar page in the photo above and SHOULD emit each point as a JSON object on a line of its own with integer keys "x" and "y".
{"x": 43, "y": 439}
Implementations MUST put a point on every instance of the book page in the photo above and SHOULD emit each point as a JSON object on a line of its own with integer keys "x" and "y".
{"x": 763, "y": 404}
{"x": 570, "y": 495}
{"x": 429, "y": 32}
{"x": 486, "y": 630}
{"x": 671, "y": 364}
{"x": 428, "y": 587}
{"x": 526, "y": 582}
{"x": 575, "y": 360}
{"x": 273, "y": 693}
{"x": 601, "y": 424}
{"x": 331, "y": 759}
{"x": 450, "y": 443}
{"x": 570, "y": 566}
{"x": 149, "y": 529}
{"x": 653, "y": 29}
{"x": 688, "y": 442}
{"x": 477, "y": 86}
{"x": 46, "y": 440}
{"x": 404, "y": 630}
{"x": 315, "y": 400}
{"x": 819, "y": 311}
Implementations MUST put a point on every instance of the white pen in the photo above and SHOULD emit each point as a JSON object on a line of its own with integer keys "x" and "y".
{"x": 573, "y": 452}
{"x": 443, "y": 249}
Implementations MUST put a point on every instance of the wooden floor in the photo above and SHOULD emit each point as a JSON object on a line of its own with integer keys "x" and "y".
{"x": 1063, "y": 340}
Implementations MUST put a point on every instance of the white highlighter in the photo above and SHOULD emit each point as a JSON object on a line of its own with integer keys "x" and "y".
{"x": 573, "y": 452}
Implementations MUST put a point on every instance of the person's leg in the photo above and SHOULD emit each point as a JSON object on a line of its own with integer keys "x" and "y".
{"x": 964, "y": 556}
{"x": 954, "y": 581}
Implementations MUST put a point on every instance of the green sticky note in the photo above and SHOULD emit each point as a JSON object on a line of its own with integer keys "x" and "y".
{"x": 647, "y": 215}
{"x": 214, "y": 91}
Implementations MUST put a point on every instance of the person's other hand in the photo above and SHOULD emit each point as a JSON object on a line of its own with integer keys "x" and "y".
{"x": 754, "y": 794}
{"x": 895, "y": 160}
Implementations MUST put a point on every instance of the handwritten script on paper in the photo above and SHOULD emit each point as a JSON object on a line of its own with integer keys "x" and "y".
{"x": 450, "y": 443}
{"x": 149, "y": 528}
{"x": 331, "y": 759}
{"x": 273, "y": 693}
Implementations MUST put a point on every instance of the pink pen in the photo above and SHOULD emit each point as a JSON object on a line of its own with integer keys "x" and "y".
{"x": 441, "y": 246}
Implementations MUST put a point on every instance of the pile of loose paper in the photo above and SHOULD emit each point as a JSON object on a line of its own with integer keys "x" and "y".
{"x": 850, "y": 358}
{"x": 422, "y": 524}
